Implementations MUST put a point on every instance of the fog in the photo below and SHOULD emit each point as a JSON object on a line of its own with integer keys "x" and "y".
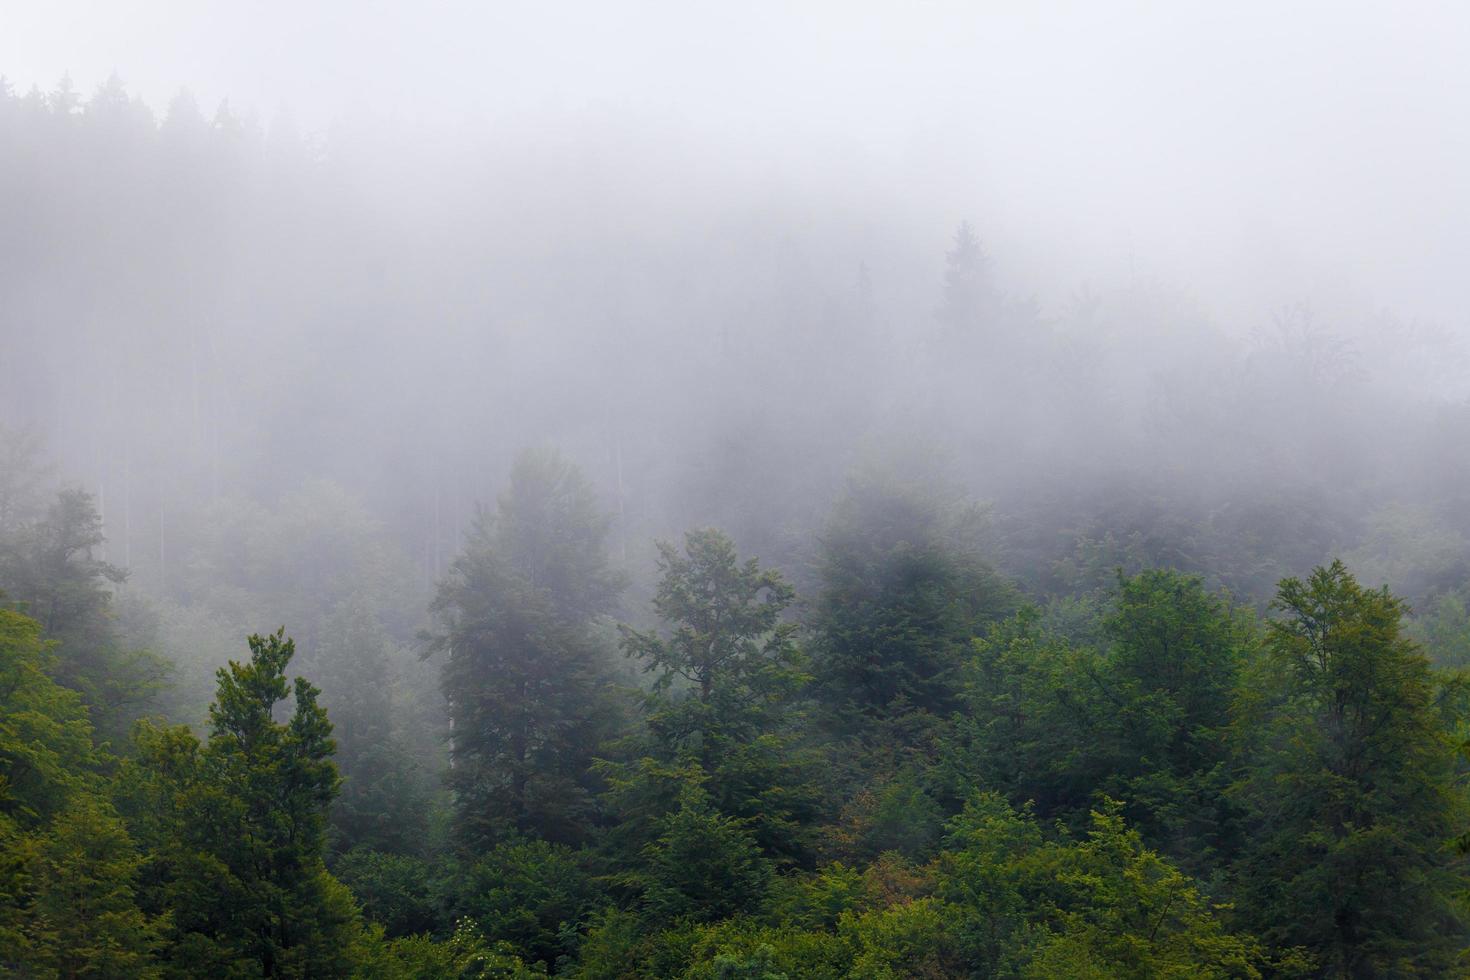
{"x": 411, "y": 239}
{"x": 976, "y": 315}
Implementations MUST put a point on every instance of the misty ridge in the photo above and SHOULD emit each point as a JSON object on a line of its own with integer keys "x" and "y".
{"x": 689, "y": 563}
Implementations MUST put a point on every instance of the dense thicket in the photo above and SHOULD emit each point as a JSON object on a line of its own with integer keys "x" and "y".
{"x": 763, "y": 692}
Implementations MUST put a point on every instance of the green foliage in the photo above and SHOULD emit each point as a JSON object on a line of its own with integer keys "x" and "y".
{"x": 1033, "y": 719}
{"x": 1350, "y": 787}
{"x": 1103, "y": 906}
{"x": 236, "y": 829}
{"x": 525, "y": 673}
{"x": 897, "y": 815}
{"x": 383, "y": 800}
{"x": 50, "y": 568}
{"x": 397, "y": 891}
{"x": 67, "y": 865}
{"x": 910, "y": 939}
{"x": 46, "y": 753}
{"x": 904, "y": 590}
{"x": 85, "y": 921}
{"x": 1143, "y": 717}
{"x": 728, "y": 658}
{"x": 1112, "y": 787}
{"x": 1443, "y": 631}
{"x": 466, "y": 955}
{"x": 1126, "y": 912}
{"x": 1169, "y": 677}
{"x": 725, "y": 675}
{"x": 703, "y": 866}
{"x": 532, "y": 894}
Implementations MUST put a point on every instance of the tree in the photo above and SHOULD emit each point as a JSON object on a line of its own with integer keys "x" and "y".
{"x": 1126, "y": 912}
{"x": 51, "y": 569}
{"x": 86, "y": 922}
{"x": 725, "y": 669}
{"x": 46, "y": 752}
{"x": 1350, "y": 795}
{"x": 1168, "y": 682}
{"x": 236, "y": 829}
{"x": 384, "y": 796}
{"x": 525, "y": 667}
{"x": 1101, "y": 906}
{"x": 23, "y": 471}
{"x": 704, "y": 865}
{"x": 904, "y": 590}
{"x": 728, "y": 657}
{"x": 1033, "y": 720}
{"x": 1139, "y": 711}
{"x": 67, "y": 865}
{"x": 532, "y": 894}
{"x": 969, "y": 293}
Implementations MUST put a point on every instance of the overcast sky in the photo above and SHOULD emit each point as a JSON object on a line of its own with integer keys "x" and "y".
{"x": 1258, "y": 153}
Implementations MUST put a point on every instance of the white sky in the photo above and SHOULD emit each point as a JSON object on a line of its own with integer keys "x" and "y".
{"x": 1257, "y": 152}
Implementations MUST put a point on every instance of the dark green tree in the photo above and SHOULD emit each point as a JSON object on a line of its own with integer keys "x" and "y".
{"x": 1350, "y": 790}
{"x": 384, "y": 797}
{"x": 236, "y": 830}
{"x": 51, "y": 569}
{"x": 727, "y": 657}
{"x": 525, "y": 674}
{"x": 904, "y": 590}
{"x": 1166, "y": 685}
{"x": 85, "y": 920}
{"x": 726, "y": 671}
{"x": 704, "y": 865}
{"x": 67, "y": 865}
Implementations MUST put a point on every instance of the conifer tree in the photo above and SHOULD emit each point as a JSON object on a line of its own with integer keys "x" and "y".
{"x": 525, "y": 670}
{"x": 236, "y": 829}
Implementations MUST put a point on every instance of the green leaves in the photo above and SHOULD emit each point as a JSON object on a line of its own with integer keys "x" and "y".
{"x": 727, "y": 659}
{"x": 1350, "y": 787}
{"x": 236, "y": 828}
{"x": 726, "y": 669}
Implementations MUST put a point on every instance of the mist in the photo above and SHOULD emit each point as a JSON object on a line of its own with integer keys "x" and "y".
{"x": 318, "y": 315}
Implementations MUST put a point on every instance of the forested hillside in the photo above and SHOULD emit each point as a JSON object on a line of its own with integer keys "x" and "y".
{"x": 392, "y": 585}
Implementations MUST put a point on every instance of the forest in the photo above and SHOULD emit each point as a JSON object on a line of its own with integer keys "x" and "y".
{"x": 524, "y": 565}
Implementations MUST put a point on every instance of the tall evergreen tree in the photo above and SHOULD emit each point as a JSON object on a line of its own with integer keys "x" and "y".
{"x": 525, "y": 671}
{"x": 236, "y": 830}
{"x": 969, "y": 292}
{"x": 384, "y": 796}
